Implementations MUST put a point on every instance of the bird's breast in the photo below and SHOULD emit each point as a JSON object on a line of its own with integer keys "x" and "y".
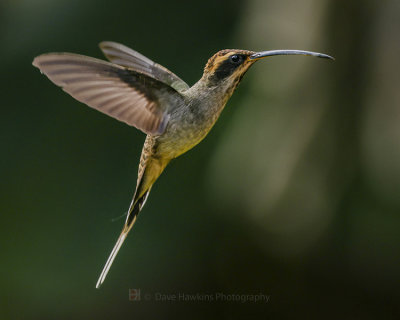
{"x": 188, "y": 126}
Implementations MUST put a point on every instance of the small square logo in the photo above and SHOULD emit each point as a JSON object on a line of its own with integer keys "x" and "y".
{"x": 134, "y": 294}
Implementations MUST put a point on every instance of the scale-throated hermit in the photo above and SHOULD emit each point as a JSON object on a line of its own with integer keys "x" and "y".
{"x": 145, "y": 95}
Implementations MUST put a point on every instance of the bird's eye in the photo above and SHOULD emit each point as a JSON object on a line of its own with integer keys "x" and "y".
{"x": 236, "y": 58}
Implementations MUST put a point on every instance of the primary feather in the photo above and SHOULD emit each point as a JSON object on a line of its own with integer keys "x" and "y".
{"x": 124, "y": 94}
{"x": 127, "y": 57}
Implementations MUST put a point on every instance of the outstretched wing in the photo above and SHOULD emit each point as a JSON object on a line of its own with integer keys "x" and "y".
{"x": 124, "y": 56}
{"x": 124, "y": 94}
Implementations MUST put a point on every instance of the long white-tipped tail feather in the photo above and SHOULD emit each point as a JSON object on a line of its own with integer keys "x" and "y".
{"x": 134, "y": 209}
{"x": 112, "y": 256}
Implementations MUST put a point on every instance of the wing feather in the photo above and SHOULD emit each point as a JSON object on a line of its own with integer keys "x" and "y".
{"x": 129, "y": 96}
{"x": 127, "y": 57}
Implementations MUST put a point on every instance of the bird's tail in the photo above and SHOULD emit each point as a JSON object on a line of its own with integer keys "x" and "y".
{"x": 134, "y": 209}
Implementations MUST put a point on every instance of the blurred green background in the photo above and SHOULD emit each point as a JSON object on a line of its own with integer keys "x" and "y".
{"x": 294, "y": 194}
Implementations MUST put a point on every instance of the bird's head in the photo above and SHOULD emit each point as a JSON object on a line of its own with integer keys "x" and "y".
{"x": 227, "y": 67}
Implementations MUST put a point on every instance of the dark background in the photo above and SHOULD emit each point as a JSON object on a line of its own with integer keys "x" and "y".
{"x": 294, "y": 194}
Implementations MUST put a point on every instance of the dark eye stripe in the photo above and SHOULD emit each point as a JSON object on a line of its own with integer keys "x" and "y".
{"x": 228, "y": 66}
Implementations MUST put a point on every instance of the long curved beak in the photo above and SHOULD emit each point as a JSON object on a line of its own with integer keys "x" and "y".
{"x": 264, "y": 54}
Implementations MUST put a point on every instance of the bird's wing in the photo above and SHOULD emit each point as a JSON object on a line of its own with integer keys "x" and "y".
{"x": 124, "y": 56}
{"x": 131, "y": 97}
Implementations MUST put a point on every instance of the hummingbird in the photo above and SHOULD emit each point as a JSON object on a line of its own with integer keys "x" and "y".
{"x": 133, "y": 89}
